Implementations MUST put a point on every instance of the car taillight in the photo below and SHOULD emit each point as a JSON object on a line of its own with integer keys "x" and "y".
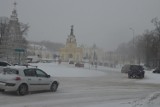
{"x": 17, "y": 78}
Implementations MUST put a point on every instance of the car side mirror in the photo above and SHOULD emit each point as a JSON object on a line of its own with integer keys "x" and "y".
{"x": 48, "y": 76}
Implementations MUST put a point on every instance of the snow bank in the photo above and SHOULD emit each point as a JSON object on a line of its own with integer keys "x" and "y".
{"x": 152, "y": 100}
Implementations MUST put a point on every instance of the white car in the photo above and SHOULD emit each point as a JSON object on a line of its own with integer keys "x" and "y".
{"x": 23, "y": 80}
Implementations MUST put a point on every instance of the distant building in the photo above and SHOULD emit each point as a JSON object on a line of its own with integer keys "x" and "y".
{"x": 93, "y": 55}
{"x": 71, "y": 51}
{"x": 39, "y": 52}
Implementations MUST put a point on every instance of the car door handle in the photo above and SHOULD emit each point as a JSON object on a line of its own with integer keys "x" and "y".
{"x": 40, "y": 79}
{"x": 29, "y": 79}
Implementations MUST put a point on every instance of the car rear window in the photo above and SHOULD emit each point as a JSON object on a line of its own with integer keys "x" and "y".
{"x": 10, "y": 71}
{"x": 136, "y": 67}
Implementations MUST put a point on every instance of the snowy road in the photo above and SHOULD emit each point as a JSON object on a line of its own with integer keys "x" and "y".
{"x": 113, "y": 89}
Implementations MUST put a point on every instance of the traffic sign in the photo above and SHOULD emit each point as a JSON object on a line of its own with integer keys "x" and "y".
{"x": 19, "y": 50}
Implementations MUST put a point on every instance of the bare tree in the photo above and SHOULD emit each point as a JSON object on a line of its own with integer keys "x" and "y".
{"x": 12, "y": 37}
{"x": 146, "y": 47}
{"x": 3, "y": 32}
{"x": 156, "y": 23}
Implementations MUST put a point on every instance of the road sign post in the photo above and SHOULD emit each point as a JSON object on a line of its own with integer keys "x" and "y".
{"x": 19, "y": 50}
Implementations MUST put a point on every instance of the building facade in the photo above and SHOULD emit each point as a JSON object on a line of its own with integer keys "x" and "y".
{"x": 71, "y": 51}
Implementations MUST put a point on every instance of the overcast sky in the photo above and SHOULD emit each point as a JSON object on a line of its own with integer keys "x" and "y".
{"x": 103, "y": 22}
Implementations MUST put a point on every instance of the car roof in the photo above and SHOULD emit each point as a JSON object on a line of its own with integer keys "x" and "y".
{"x": 136, "y": 65}
{"x": 16, "y": 67}
{"x": 131, "y": 65}
{"x": 127, "y": 65}
{"x": 20, "y": 68}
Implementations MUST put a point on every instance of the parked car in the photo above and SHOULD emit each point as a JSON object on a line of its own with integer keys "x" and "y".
{"x": 71, "y": 62}
{"x": 136, "y": 71}
{"x": 157, "y": 70}
{"x": 125, "y": 68}
{"x": 3, "y": 64}
{"x": 22, "y": 80}
{"x": 78, "y": 64}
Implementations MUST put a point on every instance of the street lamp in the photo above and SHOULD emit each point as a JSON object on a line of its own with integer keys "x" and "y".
{"x": 133, "y": 43}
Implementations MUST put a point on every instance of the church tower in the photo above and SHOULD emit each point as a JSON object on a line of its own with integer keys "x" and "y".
{"x": 71, "y": 52}
{"x": 71, "y": 40}
{"x": 14, "y": 16}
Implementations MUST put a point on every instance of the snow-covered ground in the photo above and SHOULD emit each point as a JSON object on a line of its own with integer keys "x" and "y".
{"x": 90, "y": 87}
{"x": 150, "y": 77}
{"x": 66, "y": 70}
{"x": 153, "y": 100}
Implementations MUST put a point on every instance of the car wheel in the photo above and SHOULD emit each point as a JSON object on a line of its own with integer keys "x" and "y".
{"x": 54, "y": 87}
{"x": 22, "y": 90}
{"x": 129, "y": 76}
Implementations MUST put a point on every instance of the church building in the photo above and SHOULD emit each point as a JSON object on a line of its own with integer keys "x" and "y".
{"x": 71, "y": 52}
{"x": 13, "y": 43}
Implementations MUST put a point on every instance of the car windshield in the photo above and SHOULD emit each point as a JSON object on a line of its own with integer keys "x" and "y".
{"x": 10, "y": 71}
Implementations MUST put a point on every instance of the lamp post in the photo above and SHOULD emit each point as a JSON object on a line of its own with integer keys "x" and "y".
{"x": 133, "y": 34}
{"x": 133, "y": 31}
